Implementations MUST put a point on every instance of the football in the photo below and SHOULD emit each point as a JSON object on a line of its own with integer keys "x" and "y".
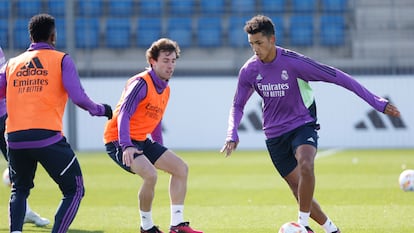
{"x": 6, "y": 178}
{"x": 406, "y": 180}
{"x": 292, "y": 227}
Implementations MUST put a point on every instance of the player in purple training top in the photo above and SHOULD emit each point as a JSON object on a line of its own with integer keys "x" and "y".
{"x": 281, "y": 77}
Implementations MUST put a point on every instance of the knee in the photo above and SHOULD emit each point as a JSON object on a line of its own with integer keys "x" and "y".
{"x": 19, "y": 194}
{"x": 77, "y": 189}
{"x": 306, "y": 167}
{"x": 150, "y": 177}
{"x": 182, "y": 170}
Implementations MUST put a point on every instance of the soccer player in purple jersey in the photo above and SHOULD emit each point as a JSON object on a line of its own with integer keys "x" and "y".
{"x": 281, "y": 77}
{"x": 30, "y": 216}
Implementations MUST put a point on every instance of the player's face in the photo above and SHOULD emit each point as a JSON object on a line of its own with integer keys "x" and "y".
{"x": 165, "y": 65}
{"x": 263, "y": 46}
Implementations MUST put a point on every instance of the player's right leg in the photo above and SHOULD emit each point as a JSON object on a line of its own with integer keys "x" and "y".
{"x": 144, "y": 168}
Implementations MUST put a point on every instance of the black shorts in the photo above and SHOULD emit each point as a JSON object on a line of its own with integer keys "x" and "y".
{"x": 282, "y": 149}
{"x": 151, "y": 149}
{"x": 58, "y": 160}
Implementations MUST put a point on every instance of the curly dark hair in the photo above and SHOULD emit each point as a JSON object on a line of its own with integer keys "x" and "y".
{"x": 41, "y": 26}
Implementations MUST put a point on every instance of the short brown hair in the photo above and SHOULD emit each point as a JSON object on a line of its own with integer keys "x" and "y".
{"x": 163, "y": 44}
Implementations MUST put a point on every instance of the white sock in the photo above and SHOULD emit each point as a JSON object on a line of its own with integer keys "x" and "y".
{"x": 146, "y": 220}
{"x": 177, "y": 214}
{"x": 329, "y": 226}
{"x": 28, "y": 210}
{"x": 16, "y": 232}
{"x": 303, "y": 218}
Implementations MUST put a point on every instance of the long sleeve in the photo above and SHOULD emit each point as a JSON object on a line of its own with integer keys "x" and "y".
{"x": 243, "y": 93}
{"x": 76, "y": 93}
{"x": 135, "y": 92}
{"x": 315, "y": 71}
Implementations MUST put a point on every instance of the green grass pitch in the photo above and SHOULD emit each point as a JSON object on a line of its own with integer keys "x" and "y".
{"x": 358, "y": 189}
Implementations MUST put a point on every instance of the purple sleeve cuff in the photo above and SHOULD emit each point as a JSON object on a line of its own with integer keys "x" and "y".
{"x": 126, "y": 146}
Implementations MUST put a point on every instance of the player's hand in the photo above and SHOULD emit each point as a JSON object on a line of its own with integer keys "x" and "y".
{"x": 108, "y": 111}
{"x": 229, "y": 147}
{"x": 391, "y": 110}
{"x": 129, "y": 154}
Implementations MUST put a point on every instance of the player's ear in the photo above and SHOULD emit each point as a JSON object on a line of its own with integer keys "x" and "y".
{"x": 52, "y": 38}
{"x": 272, "y": 39}
{"x": 152, "y": 61}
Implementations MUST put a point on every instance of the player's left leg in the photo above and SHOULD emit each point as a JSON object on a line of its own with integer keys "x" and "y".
{"x": 61, "y": 164}
{"x": 174, "y": 165}
{"x": 171, "y": 163}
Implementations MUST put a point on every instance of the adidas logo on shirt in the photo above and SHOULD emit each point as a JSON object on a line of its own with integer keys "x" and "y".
{"x": 33, "y": 67}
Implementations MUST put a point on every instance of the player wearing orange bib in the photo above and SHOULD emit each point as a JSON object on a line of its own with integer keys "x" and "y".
{"x": 37, "y": 85}
{"x": 138, "y": 114}
{"x": 148, "y": 114}
{"x": 30, "y": 216}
